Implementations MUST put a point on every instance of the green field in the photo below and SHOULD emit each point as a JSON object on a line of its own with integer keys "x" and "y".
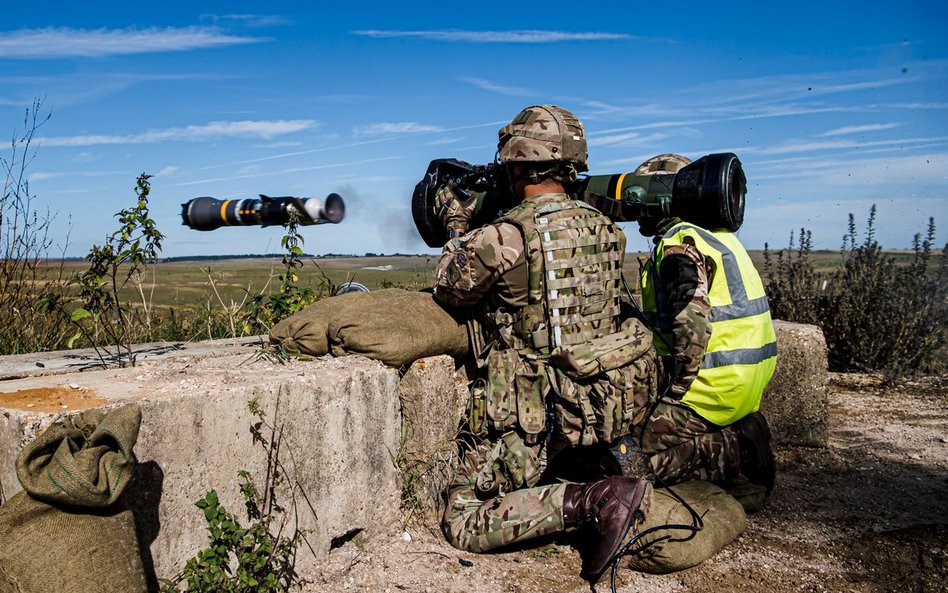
{"x": 193, "y": 282}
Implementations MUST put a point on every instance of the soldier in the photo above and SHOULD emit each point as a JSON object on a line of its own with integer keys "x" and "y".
{"x": 564, "y": 371}
{"x": 707, "y": 305}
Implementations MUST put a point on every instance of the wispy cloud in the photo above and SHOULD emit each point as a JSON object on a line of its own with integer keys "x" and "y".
{"x": 404, "y": 127}
{"x": 793, "y": 147}
{"x": 89, "y": 43}
{"x": 258, "y": 173}
{"x": 265, "y": 129}
{"x": 445, "y": 140}
{"x": 517, "y": 36}
{"x": 169, "y": 170}
{"x": 627, "y": 139}
{"x": 843, "y": 131}
{"x": 44, "y": 175}
{"x": 931, "y": 105}
{"x": 499, "y": 88}
{"x": 249, "y": 20}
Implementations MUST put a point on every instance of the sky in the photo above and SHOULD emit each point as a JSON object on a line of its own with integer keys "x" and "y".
{"x": 831, "y": 107}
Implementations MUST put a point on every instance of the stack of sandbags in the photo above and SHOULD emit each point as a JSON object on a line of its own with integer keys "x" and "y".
{"x": 69, "y": 531}
{"x": 392, "y": 325}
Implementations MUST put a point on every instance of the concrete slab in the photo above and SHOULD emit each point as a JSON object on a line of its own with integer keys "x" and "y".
{"x": 339, "y": 420}
{"x": 36, "y": 364}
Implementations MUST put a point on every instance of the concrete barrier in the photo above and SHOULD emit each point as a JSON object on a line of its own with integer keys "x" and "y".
{"x": 338, "y": 419}
{"x": 353, "y": 430}
{"x": 795, "y": 401}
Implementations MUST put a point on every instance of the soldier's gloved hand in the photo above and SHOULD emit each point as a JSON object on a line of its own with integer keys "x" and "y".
{"x": 455, "y": 208}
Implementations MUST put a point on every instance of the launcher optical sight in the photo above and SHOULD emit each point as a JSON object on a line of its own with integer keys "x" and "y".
{"x": 207, "y": 214}
{"x": 709, "y": 193}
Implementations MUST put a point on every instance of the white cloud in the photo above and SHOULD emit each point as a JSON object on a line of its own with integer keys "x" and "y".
{"x": 405, "y": 127}
{"x": 518, "y": 36}
{"x": 253, "y": 172}
{"x": 265, "y": 129}
{"x": 64, "y": 42}
{"x": 859, "y": 129}
{"x": 445, "y": 140}
{"x": 844, "y": 144}
{"x": 499, "y": 88}
{"x": 249, "y": 20}
{"x": 169, "y": 170}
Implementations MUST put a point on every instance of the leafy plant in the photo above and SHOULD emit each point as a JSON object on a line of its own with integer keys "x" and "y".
{"x": 134, "y": 245}
{"x": 876, "y": 314}
{"x": 256, "y": 557}
{"x": 266, "y": 310}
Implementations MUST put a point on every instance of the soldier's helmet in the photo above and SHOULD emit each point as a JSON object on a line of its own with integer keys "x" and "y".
{"x": 663, "y": 163}
{"x": 544, "y": 133}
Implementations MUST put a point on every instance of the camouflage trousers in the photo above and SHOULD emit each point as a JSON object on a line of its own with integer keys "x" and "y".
{"x": 494, "y": 501}
{"x": 684, "y": 446}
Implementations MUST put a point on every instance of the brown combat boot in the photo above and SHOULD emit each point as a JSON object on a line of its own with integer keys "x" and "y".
{"x": 604, "y": 511}
{"x": 757, "y": 459}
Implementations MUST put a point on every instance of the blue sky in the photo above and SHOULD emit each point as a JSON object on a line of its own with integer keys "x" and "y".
{"x": 831, "y": 106}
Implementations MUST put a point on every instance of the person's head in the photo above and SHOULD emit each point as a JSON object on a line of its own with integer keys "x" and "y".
{"x": 544, "y": 145}
{"x": 663, "y": 163}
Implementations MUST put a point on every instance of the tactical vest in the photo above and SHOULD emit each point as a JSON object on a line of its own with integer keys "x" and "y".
{"x": 574, "y": 259}
{"x": 742, "y": 352}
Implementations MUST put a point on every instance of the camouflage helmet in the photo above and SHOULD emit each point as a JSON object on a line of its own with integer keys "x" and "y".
{"x": 544, "y": 133}
{"x": 663, "y": 163}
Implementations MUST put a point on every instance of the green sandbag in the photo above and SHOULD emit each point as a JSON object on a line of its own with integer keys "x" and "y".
{"x": 68, "y": 531}
{"x": 85, "y": 460}
{"x": 305, "y": 332}
{"x": 46, "y": 548}
{"x": 409, "y": 326}
{"x": 722, "y": 516}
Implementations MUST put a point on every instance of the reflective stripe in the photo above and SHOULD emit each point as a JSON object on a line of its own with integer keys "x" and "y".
{"x": 722, "y": 358}
{"x": 748, "y": 308}
{"x": 740, "y": 305}
{"x": 732, "y": 273}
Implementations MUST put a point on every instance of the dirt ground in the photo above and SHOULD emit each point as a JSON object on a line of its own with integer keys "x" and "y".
{"x": 867, "y": 514}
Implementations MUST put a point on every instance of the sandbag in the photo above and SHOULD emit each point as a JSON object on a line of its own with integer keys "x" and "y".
{"x": 722, "y": 516}
{"x": 69, "y": 531}
{"x": 305, "y": 332}
{"x": 405, "y": 327}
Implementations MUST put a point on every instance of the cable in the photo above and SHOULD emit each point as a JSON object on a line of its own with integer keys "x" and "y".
{"x": 696, "y": 525}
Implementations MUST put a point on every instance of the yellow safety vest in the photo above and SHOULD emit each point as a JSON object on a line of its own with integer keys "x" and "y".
{"x": 742, "y": 352}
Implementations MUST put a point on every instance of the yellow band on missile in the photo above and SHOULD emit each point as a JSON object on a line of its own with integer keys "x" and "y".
{"x": 224, "y": 211}
{"x": 619, "y": 186}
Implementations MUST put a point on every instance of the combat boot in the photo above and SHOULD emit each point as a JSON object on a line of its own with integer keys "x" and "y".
{"x": 757, "y": 459}
{"x": 603, "y": 511}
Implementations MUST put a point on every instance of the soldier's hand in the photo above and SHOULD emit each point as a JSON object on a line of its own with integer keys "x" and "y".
{"x": 455, "y": 209}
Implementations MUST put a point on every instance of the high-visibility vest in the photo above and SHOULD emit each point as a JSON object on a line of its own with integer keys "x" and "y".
{"x": 742, "y": 352}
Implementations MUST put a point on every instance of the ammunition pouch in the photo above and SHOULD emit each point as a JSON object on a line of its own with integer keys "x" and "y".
{"x": 515, "y": 393}
{"x": 583, "y": 361}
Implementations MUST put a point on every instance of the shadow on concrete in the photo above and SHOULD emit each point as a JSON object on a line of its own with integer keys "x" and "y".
{"x": 144, "y": 496}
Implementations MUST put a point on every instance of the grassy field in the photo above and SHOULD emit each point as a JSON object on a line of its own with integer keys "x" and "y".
{"x": 195, "y": 282}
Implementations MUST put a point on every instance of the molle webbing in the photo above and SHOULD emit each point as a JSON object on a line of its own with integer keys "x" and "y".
{"x": 575, "y": 255}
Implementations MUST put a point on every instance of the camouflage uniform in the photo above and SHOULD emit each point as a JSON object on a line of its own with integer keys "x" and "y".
{"x": 560, "y": 369}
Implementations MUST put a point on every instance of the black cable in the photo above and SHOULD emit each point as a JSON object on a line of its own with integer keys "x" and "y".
{"x": 697, "y": 524}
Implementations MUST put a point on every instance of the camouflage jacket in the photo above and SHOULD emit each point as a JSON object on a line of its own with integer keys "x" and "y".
{"x": 498, "y": 271}
{"x": 686, "y": 277}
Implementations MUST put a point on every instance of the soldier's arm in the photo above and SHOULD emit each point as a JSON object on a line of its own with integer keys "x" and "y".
{"x": 686, "y": 276}
{"x": 471, "y": 264}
